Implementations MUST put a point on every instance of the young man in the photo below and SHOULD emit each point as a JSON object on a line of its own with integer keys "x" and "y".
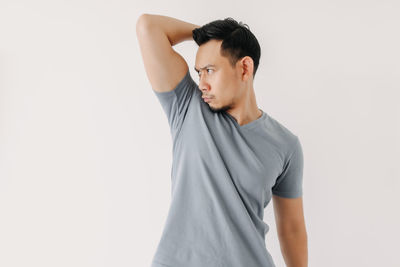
{"x": 229, "y": 157}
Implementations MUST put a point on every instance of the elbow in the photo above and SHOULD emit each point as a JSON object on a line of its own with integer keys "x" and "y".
{"x": 293, "y": 233}
{"x": 294, "y": 228}
{"x": 142, "y": 22}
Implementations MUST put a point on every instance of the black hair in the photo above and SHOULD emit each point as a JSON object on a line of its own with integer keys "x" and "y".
{"x": 237, "y": 40}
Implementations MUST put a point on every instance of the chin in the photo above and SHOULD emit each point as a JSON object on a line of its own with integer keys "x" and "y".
{"x": 218, "y": 109}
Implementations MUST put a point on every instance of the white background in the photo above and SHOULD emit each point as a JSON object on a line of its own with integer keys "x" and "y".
{"x": 85, "y": 150}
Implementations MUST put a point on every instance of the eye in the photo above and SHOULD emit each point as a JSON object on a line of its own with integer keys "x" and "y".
{"x": 207, "y": 71}
{"x": 199, "y": 73}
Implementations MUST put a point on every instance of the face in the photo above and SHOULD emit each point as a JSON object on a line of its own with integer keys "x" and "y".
{"x": 218, "y": 80}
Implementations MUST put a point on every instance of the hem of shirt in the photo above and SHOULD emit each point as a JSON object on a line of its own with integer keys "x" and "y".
{"x": 172, "y": 92}
{"x": 288, "y": 194}
{"x": 156, "y": 262}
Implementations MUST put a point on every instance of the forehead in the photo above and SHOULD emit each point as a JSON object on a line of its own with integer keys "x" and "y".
{"x": 208, "y": 53}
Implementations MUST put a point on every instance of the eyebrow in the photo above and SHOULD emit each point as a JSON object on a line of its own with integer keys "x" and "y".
{"x": 206, "y": 66}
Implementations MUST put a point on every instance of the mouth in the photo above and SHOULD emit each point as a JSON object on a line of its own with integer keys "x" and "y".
{"x": 206, "y": 99}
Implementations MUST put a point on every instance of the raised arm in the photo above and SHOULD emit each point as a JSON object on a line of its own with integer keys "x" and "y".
{"x": 156, "y": 35}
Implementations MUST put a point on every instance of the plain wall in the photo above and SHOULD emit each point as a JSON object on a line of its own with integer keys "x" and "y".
{"x": 85, "y": 150}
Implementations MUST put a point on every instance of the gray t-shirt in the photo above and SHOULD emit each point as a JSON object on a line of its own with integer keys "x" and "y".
{"x": 223, "y": 176}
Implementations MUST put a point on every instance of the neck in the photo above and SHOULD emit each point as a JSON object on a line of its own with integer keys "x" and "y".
{"x": 247, "y": 110}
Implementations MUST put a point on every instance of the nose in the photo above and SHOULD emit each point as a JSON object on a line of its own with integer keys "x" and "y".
{"x": 203, "y": 85}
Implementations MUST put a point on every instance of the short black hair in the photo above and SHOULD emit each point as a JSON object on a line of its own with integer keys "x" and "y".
{"x": 237, "y": 40}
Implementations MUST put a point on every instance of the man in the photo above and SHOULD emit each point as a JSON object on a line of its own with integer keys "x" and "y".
{"x": 229, "y": 157}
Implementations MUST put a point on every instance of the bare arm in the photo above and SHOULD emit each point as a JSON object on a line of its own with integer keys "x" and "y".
{"x": 291, "y": 230}
{"x": 176, "y": 30}
{"x": 156, "y": 35}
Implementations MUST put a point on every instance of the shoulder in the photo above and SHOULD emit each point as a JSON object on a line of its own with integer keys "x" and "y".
{"x": 284, "y": 137}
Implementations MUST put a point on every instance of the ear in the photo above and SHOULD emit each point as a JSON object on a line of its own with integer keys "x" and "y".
{"x": 247, "y": 67}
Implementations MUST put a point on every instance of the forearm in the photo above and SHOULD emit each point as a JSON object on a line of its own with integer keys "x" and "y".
{"x": 294, "y": 249}
{"x": 176, "y": 30}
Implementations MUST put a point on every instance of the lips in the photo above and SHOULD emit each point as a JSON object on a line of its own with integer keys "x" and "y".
{"x": 206, "y": 99}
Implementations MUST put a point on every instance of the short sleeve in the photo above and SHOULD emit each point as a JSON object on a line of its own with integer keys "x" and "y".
{"x": 289, "y": 182}
{"x": 175, "y": 103}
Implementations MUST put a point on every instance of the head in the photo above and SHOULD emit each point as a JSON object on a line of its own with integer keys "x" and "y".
{"x": 226, "y": 62}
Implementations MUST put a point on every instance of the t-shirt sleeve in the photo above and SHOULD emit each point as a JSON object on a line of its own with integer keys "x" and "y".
{"x": 175, "y": 103}
{"x": 289, "y": 182}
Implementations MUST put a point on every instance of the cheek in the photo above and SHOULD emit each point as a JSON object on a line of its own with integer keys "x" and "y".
{"x": 222, "y": 87}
